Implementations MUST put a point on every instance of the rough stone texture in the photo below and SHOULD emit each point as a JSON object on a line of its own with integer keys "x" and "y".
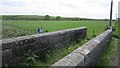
{"x": 88, "y": 54}
{"x": 14, "y": 49}
{"x": 73, "y": 59}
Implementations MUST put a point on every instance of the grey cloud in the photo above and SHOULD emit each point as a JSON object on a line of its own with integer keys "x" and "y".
{"x": 70, "y": 5}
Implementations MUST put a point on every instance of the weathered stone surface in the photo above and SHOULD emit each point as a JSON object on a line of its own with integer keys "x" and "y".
{"x": 88, "y": 54}
{"x": 73, "y": 59}
{"x": 6, "y": 57}
{"x": 19, "y": 46}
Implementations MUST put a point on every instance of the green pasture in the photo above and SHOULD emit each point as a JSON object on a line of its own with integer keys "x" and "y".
{"x": 14, "y": 28}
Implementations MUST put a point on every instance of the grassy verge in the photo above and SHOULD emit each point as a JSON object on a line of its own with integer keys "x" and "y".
{"x": 109, "y": 54}
{"x": 52, "y": 56}
{"x": 10, "y": 32}
{"x": 110, "y": 57}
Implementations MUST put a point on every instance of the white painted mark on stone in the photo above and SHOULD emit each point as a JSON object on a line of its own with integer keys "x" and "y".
{"x": 86, "y": 51}
{"x": 97, "y": 41}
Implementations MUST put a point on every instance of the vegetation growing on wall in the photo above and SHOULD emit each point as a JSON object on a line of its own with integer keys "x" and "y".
{"x": 52, "y": 56}
{"x": 29, "y": 59}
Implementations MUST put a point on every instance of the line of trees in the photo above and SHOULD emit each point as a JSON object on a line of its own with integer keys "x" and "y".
{"x": 45, "y": 18}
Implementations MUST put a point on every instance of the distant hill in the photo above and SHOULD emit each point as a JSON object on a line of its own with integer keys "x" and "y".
{"x": 46, "y": 17}
{"x": 22, "y": 17}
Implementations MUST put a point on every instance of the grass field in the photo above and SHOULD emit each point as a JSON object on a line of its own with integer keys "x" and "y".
{"x": 14, "y": 28}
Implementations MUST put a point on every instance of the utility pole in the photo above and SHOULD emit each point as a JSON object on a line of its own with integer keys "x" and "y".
{"x": 110, "y": 23}
{"x": 116, "y": 17}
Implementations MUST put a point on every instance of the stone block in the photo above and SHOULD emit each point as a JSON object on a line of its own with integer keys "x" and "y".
{"x": 73, "y": 60}
{"x": 6, "y": 57}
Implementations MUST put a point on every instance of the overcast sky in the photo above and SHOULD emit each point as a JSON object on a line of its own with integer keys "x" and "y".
{"x": 66, "y": 8}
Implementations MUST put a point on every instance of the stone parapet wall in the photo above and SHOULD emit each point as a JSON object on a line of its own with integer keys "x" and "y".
{"x": 14, "y": 49}
{"x": 88, "y": 54}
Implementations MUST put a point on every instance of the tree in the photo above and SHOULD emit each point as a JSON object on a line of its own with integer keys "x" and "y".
{"x": 58, "y": 18}
{"x": 77, "y": 19}
{"x": 47, "y": 17}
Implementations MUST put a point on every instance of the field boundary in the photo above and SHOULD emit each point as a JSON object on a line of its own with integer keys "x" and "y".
{"x": 88, "y": 54}
{"x": 14, "y": 49}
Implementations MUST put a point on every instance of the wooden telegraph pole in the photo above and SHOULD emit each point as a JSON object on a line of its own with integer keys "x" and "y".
{"x": 110, "y": 22}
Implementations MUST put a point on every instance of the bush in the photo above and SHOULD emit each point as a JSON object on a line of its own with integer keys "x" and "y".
{"x": 29, "y": 59}
{"x": 116, "y": 36}
{"x": 113, "y": 28}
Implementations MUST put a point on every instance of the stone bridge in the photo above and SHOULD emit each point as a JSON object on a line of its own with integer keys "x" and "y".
{"x": 88, "y": 54}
